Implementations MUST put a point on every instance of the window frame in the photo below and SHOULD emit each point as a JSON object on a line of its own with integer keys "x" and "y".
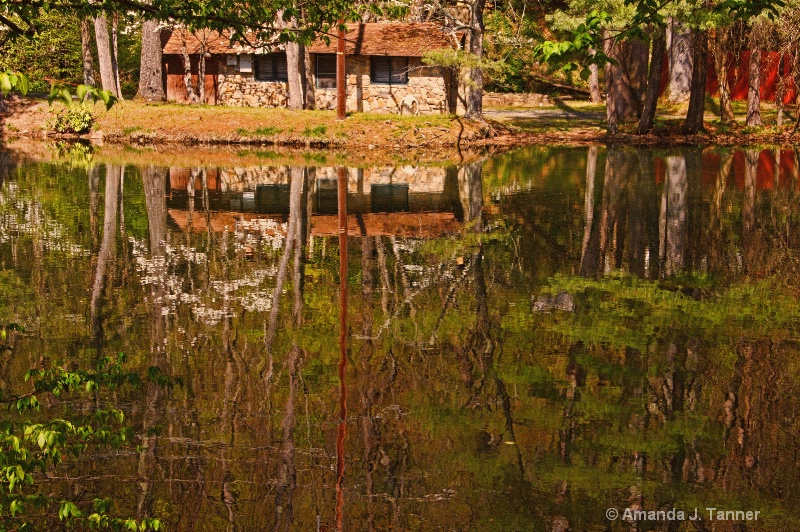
{"x": 327, "y": 74}
{"x": 390, "y": 59}
{"x": 274, "y": 59}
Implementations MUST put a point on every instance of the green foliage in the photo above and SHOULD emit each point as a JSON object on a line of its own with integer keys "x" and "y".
{"x": 10, "y": 81}
{"x": 575, "y": 51}
{"x": 28, "y": 447}
{"x": 76, "y": 120}
{"x": 53, "y": 52}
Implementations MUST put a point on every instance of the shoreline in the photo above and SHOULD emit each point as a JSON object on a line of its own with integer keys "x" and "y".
{"x": 136, "y": 124}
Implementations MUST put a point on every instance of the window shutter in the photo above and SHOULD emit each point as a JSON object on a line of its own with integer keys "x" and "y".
{"x": 281, "y": 69}
{"x": 381, "y": 70}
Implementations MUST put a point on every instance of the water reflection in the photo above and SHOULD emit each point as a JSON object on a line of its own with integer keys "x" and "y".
{"x": 531, "y": 339}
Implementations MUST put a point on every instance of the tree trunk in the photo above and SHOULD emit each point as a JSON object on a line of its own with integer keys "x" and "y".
{"x": 594, "y": 82}
{"x": 653, "y": 83}
{"x": 107, "y": 79}
{"x": 754, "y": 83}
{"x": 86, "y": 52}
{"x": 115, "y": 55}
{"x": 295, "y": 68}
{"x": 680, "y": 63}
{"x": 781, "y": 87}
{"x": 474, "y": 87}
{"x": 187, "y": 70}
{"x": 310, "y": 101}
{"x": 638, "y": 59}
{"x": 151, "y": 82}
{"x": 201, "y": 75}
{"x": 721, "y": 66}
{"x": 697, "y": 100}
{"x": 622, "y": 101}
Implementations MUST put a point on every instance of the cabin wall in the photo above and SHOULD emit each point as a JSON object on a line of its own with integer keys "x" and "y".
{"x": 241, "y": 89}
{"x": 175, "y": 85}
{"x": 427, "y": 85}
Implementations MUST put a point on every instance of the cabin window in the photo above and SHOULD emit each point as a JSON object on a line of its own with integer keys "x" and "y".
{"x": 326, "y": 71}
{"x": 389, "y": 70}
{"x": 271, "y": 67}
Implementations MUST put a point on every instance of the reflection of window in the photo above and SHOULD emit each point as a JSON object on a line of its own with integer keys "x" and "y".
{"x": 271, "y": 67}
{"x": 326, "y": 71}
{"x": 389, "y": 70}
{"x": 389, "y": 198}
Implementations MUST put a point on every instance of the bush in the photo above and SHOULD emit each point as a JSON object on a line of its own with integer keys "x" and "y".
{"x": 77, "y": 119}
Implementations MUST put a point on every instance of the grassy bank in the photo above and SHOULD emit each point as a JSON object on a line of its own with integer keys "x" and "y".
{"x": 566, "y": 122}
{"x": 134, "y": 122}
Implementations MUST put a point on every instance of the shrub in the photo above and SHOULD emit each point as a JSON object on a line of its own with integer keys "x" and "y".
{"x": 77, "y": 119}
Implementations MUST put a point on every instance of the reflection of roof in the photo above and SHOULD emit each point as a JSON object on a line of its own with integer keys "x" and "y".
{"x": 394, "y": 39}
{"x": 419, "y": 225}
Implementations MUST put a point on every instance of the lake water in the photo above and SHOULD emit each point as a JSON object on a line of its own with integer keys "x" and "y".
{"x": 535, "y": 340}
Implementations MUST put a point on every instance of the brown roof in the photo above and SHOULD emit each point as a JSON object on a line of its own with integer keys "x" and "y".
{"x": 388, "y": 38}
{"x": 215, "y": 43}
{"x": 380, "y": 38}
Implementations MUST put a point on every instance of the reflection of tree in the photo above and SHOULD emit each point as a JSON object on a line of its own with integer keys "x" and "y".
{"x": 107, "y": 248}
{"x": 154, "y": 184}
{"x": 674, "y": 216}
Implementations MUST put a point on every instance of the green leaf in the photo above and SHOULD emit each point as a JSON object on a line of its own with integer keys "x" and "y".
{"x": 80, "y": 92}
{"x": 5, "y": 83}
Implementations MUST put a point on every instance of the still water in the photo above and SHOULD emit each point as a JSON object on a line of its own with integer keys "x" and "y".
{"x": 533, "y": 339}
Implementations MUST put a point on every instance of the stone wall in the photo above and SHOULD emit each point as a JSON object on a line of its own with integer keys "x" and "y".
{"x": 240, "y": 89}
{"x": 428, "y": 85}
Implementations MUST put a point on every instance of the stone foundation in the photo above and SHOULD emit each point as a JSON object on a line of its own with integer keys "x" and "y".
{"x": 243, "y": 90}
{"x": 427, "y": 85}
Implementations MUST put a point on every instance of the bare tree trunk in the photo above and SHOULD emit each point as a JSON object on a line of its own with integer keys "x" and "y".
{"x": 107, "y": 79}
{"x": 721, "y": 66}
{"x": 594, "y": 81}
{"x": 310, "y": 101}
{"x": 115, "y": 55}
{"x": 680, "y": 62}
{"x": 780, "y": 92}
{"x": 653, "y": 82}
{"x": 638, "y": 61}
{"x": 594, "y": 84}
{"x": 187, "y": 69}
{"x": 201, "y": 75}
{"x": 754, "y": 82}
{"x": 86, "y": 52}
{"x": 474, "y": 88}
{"x": 697, "y": 99}
{"x": 622, "y": 102}
{"x": 151, "y": 69}
{"x": 295, "y": 68}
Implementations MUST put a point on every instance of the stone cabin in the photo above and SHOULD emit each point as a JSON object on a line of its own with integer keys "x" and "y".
{"x": 383, "y": 65}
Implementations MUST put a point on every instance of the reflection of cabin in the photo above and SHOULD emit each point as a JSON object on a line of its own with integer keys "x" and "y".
{"x": 383, "y": 64}
{"x": 403, "y": 201}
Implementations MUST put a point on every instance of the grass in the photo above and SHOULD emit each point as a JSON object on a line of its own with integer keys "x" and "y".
{"x": 203, "y": 122}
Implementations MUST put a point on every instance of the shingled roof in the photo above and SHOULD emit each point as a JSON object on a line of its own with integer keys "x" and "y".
{"x": 380, "y": 38}
{"x": 389, "y": 38}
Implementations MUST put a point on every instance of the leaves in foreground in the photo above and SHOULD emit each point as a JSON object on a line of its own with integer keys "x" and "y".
{"x": 32, "y": 447}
